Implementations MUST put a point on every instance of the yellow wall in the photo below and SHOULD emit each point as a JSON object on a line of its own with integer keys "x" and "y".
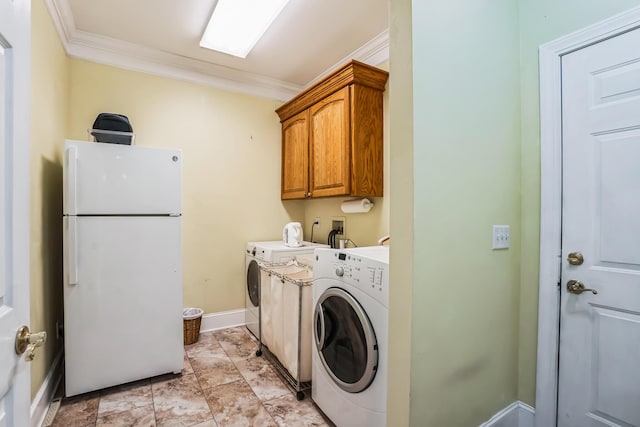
{"x": 364, "y": 229}
{"x": 231, "y": 182}
{"x": 231, "y": 145}
{"x": 49, "y": 107}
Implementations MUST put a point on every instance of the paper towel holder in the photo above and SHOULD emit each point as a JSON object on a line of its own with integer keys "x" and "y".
{"x": 356, "y": 206}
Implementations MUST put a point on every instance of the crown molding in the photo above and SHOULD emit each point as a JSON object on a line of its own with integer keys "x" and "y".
{"x": 117, "y": 53}
{"x": 130, "y": 56}
{"x": 62, "y": 18}
{"x": 374, "y": 53}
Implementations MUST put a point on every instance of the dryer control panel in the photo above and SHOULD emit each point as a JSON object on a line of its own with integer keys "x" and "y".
{"x": 357, "y": 269}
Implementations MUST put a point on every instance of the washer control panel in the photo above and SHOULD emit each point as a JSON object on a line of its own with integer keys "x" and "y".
{"x": 367, "y": 274}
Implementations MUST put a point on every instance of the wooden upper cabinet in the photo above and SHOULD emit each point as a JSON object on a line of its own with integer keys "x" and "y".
{"x": 329, "y": 150}
{"x": 332, "y": 136}
{"x": 295, "y": 156}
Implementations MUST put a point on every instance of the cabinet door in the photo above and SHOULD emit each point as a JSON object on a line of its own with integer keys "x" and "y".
{"x": 329, "y": 144}
{"x": 295, "y": 156}
{"x": 367, "y": 137}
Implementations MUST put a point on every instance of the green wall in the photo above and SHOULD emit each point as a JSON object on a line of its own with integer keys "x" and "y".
{"x": 466, "y": 156}
{"x": 474, "y": 161}
{"x": 541, "y": 21}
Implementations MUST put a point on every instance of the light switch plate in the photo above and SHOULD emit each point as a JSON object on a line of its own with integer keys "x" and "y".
{"x": 501, "y": 237}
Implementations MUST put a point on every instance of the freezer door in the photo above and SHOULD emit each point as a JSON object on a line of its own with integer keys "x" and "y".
{"x": 123, "y": 311}
{"x": 113, "y": 179}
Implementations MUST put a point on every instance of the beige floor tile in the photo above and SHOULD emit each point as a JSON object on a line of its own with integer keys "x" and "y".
{"x": 78, "y": 411}
{"x": 187, "y": 369}
{"x": 238, "y": 343}
{"x": 221, "y": 379}
{"x": 138, "y": 417}
{"x": 125, "y": 398}
{"x": 288, "y": 411}
{"x": 206, "y": 342}
{"x": 262, "y": 378}
{"x": 209, "y": 423}
{"x": 214, "y": 368}
{"x": 235, "y": 404}
{"x": 179, "y": 402}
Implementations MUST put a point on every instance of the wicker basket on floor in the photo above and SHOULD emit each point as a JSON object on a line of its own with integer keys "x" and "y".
{"x": 191, "y": 326}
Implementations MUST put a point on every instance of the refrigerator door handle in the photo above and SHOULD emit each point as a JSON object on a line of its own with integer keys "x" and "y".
{"x": 72, "y": 250}
{"x": 72, "y": 173}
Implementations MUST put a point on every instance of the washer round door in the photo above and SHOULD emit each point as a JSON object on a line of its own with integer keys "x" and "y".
{"x": 253, "y": 282}
{"x": 345, "y": 340}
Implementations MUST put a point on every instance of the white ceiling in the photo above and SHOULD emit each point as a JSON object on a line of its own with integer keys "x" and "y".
{"x": 307, "y": 40}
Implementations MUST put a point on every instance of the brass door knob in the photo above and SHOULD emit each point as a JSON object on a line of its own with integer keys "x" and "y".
{"x": 576, "y": 287}
{"x": 575, "y": 258}
{"x": 27, "y": 342}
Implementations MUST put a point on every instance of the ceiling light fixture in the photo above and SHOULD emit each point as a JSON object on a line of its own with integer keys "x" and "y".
{"x": 237, "y": 25}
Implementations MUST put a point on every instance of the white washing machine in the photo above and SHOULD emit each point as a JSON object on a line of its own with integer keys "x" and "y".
{"x": 350, "y": 327}
{"x": 269, "y": 252}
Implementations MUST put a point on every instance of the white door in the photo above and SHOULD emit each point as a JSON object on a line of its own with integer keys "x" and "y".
{"x": 599, "y": 367}
{"x": 14, "y": 207}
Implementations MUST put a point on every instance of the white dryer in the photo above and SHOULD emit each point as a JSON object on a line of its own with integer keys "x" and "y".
{"x": 349, "y": 356}
{"x": 268, "y": 252}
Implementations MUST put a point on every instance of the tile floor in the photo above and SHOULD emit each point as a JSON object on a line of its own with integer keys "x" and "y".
{"x": 223, "y": 383}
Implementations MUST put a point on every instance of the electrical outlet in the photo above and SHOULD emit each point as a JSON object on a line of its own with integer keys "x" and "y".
{"x": 316, "y": 221}
{"x": 501, "y": 237}
{"x": 339, "y": 223}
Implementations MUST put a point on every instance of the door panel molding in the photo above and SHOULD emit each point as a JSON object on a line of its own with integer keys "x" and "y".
{"x": 550, "y": 55}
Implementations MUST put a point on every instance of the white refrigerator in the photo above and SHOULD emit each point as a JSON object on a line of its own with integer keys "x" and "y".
{"x": 122, "y": 212}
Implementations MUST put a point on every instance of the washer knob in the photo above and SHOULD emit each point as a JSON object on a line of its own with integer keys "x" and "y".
{"x": 339, "y": 271}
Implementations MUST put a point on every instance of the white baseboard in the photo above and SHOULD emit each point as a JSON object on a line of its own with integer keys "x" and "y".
{"x": 526, "y": 415}
{"x": 517, "y": 414}
{"x": 42, "y": 399}
{"x": 222, "y": 320}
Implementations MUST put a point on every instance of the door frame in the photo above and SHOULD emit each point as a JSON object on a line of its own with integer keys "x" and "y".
{"x": 16, "y": 210}
{"x": 550, "y": 55}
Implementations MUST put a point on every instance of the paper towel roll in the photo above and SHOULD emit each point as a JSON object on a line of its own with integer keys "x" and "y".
{"x": 356, "y": 206}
